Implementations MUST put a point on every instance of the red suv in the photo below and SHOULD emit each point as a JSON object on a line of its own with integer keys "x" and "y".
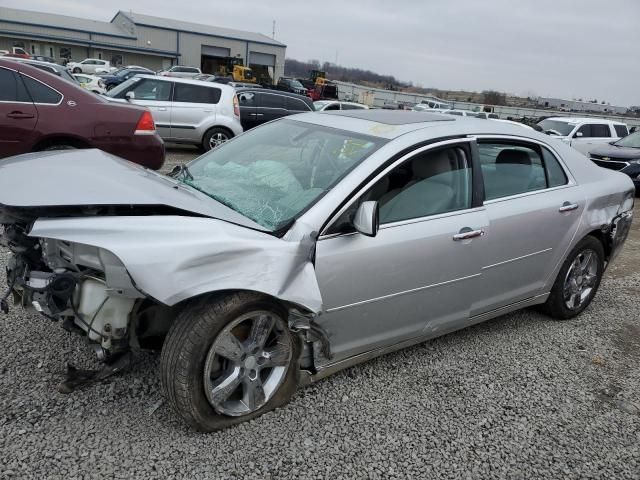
{"x": 41, "y": 111}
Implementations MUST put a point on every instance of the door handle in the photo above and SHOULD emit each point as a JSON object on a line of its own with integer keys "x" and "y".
{"x": 568, "y": 207}
{"x": 20, "y": 115}
{"x": 259, "y": 114}
{"x": 467, "y": 233}
{"x": 161, "y": 109}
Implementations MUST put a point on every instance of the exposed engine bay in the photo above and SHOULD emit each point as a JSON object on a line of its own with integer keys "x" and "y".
{"x": 85, "y": 287}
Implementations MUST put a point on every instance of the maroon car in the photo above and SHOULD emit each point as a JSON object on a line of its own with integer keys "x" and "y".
{"x": 41, "y": 111}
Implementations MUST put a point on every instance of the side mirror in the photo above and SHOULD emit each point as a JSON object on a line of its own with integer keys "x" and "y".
{"x": 366, "y": 219}
{"x": 129, "y": 96}
{"x": 578, "y": 135}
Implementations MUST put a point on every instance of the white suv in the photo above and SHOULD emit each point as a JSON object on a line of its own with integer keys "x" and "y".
{"x": 90, "y": 65}
{"x": 583, "y": 133}
{"x": 185, "y": 111}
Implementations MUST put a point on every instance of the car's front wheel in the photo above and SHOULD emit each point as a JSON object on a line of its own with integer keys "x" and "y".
{"x": 77, "y": 70}
{"x": 577, "y": 281}
{"x": 228, "y": 360}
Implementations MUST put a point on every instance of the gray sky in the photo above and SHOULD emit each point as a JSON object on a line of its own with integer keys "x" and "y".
{"x": 562, "y": 48}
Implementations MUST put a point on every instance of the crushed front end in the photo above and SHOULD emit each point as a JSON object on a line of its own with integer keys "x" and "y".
{"x": 86, "y": 288}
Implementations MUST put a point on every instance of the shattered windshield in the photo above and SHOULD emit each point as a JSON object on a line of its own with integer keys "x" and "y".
{"x": 277, "y": 171}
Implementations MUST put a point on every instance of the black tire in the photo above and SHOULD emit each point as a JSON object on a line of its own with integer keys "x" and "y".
{"x": 77, "y": 70}
{"x": 555, "y": 306}
{"x": 185, "y": 350}
{"x": 60, "y": 146}
{"x": 215, "y": 133}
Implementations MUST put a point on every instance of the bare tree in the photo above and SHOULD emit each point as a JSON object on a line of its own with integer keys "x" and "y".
{"x": 492, "y": 97}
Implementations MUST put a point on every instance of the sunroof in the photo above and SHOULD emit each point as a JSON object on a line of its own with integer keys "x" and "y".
{"x": 393, "y": 117}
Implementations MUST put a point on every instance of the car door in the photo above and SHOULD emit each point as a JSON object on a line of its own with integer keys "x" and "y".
{"x": 192, "y": 106}
{"x": 154, "y": 94}
{"x": 534, "y": 209}
{"x": 590, "y": 135}
{"x": 416, "y": 277}
{"x": 248, "y": 110}
{"x": 18, "y": 115}
{"x": 270, "y": 106}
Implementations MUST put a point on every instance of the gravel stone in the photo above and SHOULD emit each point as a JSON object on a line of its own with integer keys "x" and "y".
{"x": 515, "y": 397}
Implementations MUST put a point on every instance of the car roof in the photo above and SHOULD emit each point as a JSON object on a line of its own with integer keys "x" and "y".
{"x": 390, "y": 124}
{"x": 275, "y": 92}
{"x": 185, "y": 80}
{"x": 576, "y": 120}
{"x": 55, "y": 66}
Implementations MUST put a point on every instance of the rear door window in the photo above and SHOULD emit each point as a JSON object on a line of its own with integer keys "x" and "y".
{"x": 512, "y": 169}
{"x": 268, "y": 100}
{"x": 41, "y": 93}
{"x": 621, "y": 130}
{"x": 187, "y": 93}
{"x": 11, "y": 87}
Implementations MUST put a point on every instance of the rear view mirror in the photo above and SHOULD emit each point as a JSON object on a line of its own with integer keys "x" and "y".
{"x": 578, "y": 134}
{"x": 366, "y": 219}
{"x": 129, "y": 95}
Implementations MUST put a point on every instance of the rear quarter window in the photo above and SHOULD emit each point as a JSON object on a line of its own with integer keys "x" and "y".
{"x": 41, "y": 93}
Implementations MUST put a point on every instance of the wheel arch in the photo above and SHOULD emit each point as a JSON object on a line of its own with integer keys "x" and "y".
{"x": 60, "y": 139}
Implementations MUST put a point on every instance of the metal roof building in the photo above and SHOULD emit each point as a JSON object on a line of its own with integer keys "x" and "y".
{"x": 136, "y": 39}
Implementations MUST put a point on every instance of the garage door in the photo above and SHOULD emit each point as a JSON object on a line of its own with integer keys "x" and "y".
{"x": 215, "y": 51}
{"x": 257, "y": 58}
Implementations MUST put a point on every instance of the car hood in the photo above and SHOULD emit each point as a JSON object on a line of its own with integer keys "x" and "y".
{"x": 616, "y": 152}
{"x": 93, "y": 178}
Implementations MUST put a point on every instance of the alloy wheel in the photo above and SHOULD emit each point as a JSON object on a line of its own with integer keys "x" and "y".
{"x": 247, "y": 363}
{"x": 581, "y": 279}
{"x": 217, "y": 139}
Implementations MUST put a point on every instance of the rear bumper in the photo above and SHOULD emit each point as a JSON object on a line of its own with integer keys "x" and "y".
{"x": 145, "y": 150}
{"x": 619, "y": 232}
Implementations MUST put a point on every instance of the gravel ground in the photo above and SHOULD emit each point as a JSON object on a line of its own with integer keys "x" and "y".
{"x": 517, "y": 397}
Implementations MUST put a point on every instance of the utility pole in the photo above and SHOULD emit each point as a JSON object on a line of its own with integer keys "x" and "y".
{"x": 273, "y": 31}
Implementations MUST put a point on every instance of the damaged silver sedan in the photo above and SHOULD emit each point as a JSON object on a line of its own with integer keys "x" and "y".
{"x": 304, "y": 247}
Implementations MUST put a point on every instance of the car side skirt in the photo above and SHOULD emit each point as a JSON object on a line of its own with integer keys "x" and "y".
{"x": 307, "y": 377}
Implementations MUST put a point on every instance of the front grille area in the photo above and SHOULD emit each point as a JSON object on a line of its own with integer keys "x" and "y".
{"x": 611, "y": 165}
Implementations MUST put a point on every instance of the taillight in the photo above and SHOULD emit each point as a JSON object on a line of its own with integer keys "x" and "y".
{"x": 146, "y": 125}
{"x": 236, "y": 106}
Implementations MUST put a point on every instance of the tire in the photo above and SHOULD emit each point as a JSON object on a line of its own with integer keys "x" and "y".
{"x": 59, "y": 146}
{"x": 77, "y": 70}
{"x": 215, "y": 137}
{"x": 565, "y": 285}
{"x": 190, "y": 349}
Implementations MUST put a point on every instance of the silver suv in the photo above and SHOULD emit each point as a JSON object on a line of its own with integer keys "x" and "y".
{"x": 185, "y": 111}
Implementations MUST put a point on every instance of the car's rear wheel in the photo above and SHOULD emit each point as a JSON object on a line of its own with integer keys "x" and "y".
{"x": 577, "y": 281}
{"x": 60, "y": 146}
{"x": 77, "y": 70}
{"x": 216, "y": 137}
{"x": 229, "y": 360}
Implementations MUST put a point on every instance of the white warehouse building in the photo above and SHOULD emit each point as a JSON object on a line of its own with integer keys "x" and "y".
{"x": 136, "y": 39}
{"x": 578, "y": 106}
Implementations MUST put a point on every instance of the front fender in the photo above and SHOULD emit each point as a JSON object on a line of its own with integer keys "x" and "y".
{"x": 173, "y": 258}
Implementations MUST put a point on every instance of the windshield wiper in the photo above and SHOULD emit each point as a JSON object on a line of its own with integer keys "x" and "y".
{"x": 181, "y": 170}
